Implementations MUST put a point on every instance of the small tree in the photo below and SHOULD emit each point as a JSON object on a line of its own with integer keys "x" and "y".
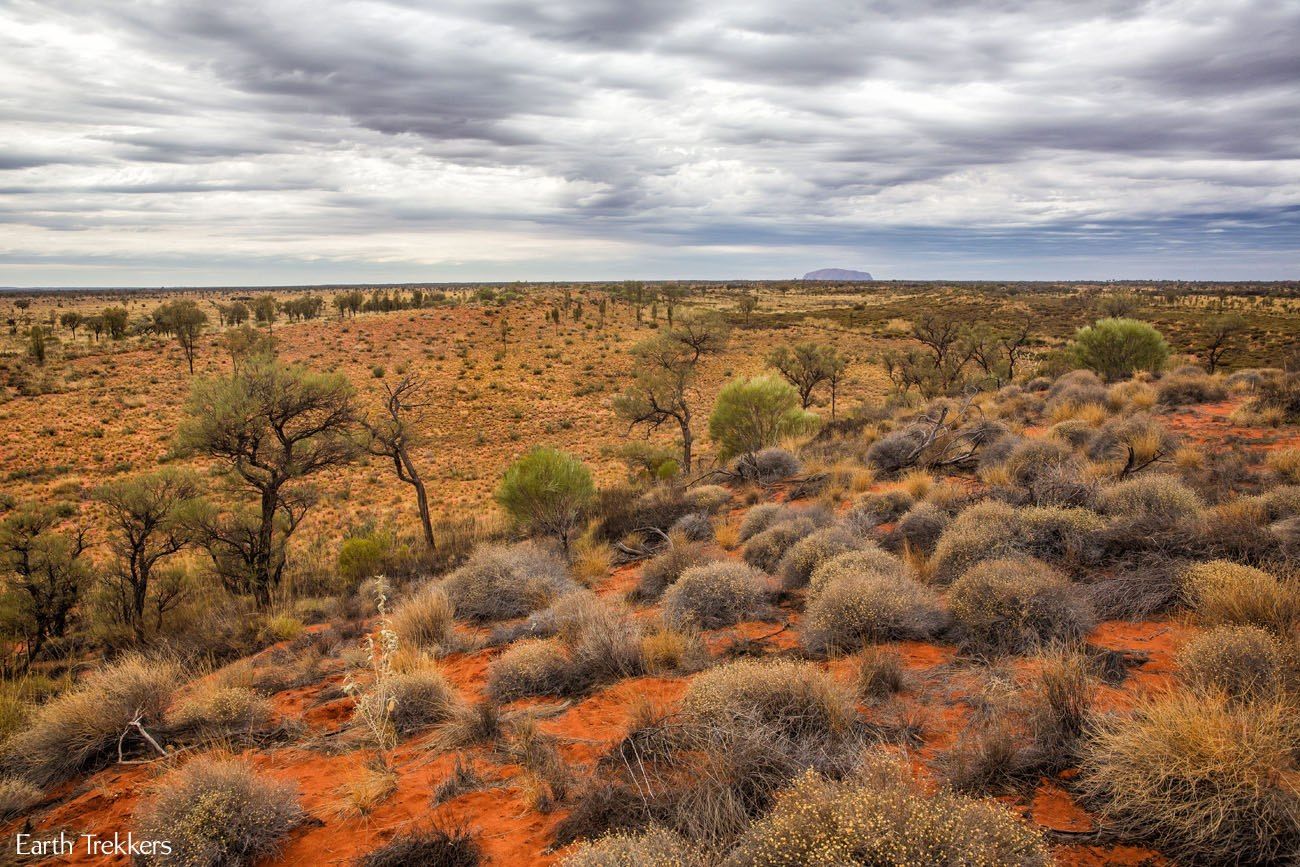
{"x": 747, "y": 304}
{"x": 274, "y": 425}
{"x": 47, "y": 575}
{"x": 145, "y": 513}
{"x": 394, "y": 432}
{"x": 806, "y": 366}
{"x": 1221, "y": 331}
{"x": 752, "y": 414}
{"x": 546, "y": 491}
{"x": 1116, "y": 348}
{"x": 183, "y": 320}
{"x": 246, "y": 344}
{"x": 37, "y": 341}
{"x": 265, "y": 310}
{"x": 116, "y": 320}
{"x": 72, "y": 321}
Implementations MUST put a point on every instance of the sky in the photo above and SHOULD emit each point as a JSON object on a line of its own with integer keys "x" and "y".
{"x": 273, "y": 142}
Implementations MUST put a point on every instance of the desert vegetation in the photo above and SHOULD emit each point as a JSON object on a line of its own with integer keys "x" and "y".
{"x": 636, "y": 573}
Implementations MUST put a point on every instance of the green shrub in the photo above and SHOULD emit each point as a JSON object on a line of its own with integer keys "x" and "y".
{"x": 218, "y": 812}
{"x": 1017, "y": 603}
{"x": 546, "y": 491}
{"x": 858, "y": 609}
{"x": 885, "y": 818}
{"x": 716, "y": 594}
{"x": 1202, "y": 779}
{"x": 362, "y": 557}
{"x": 1117, "y": 348}
{"x": 753, "y": 414}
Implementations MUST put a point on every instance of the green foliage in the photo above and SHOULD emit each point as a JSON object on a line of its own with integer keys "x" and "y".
{"x": 752, "y": 414}
{"x": 1116, "y": 348}
{"x": 546, "y": 490}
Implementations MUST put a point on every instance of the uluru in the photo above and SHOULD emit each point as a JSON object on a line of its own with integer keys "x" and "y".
{"x": 837, "y": 274}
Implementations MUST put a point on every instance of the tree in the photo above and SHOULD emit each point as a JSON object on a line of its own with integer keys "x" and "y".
{"x": 96, "y": 324}
{"x": 116, "y": 320}
{"x": 47, "y": 575}
{"x": 546, "y": 491}
{"x": 752, "y": 414}
{"x": 37, "y": 341}
{"x": 265, "y": 310}
{"x": 246, "y": 343}
{"x": 747, "y": 304}
{"x": 1118, "y": 305}
{"x": 805, "y": 366}
{"x": 274, "y": 425}
{"x": 146, "y": 514}
{"x": 945, "y": 339}
{"x": 664, "y": 376}
{"x": 394, "y": 432}
{"x": 183, "y": 320}
{"x": 1220, "y": 333}
{"x": 836, "y": 366}
{"x": 998, "y": 352}
{"x": 1116, "y": 348}
{"x": 72, "y": 321}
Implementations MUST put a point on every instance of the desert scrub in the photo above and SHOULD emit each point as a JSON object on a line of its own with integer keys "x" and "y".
{"x": 500, "y": 583}
{"x": 1190, "y": 385}
{"x": 884, "y": 818}
{"x": 655, "y": 847}
{"x": 797, "y": 700}
{"x": 871, "y": 510}
{"x": 696, "y": 527}
{"x": 708, "y": 498}
{"x": 991, "y": 529}
{"x": 425, "y": 619}
{"x": 862, "y": 608}
{"x": 716, "y": 594}
{"x": 214, "y": 710}
{"x": 808, "y": 553}
{"x": 17, "y": 796}
{"x": 435, "y": 846}
{"x": 761, "y": 517}
{"x": 765, "y": 550}
{"x": 1221, "y": 592}
{"x": 920, "y": 528}
{"x": 1285, "y": 463}
{"x": 80, "y": 729}
{"x": 878, "y": 673}
{"x": 1202, "y": 779}
{"x": 219, "y": 812}
{"x": 536, "y": 666}
{"x": 663, "y": 570}
{"x": 414, "y": 699}
{"x": 1015, "y": 604}
{"x": 1243, "y": 663}
{"x": 868, "y": 559}
{"x": 1149, "y": 499}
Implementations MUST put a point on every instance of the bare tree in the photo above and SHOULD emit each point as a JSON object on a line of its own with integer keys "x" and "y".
{"x": 394, "y": 432}
{"x": 1220, "y": 332}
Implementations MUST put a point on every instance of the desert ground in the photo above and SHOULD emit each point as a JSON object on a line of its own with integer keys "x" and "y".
{"x": 1023, "y": 600}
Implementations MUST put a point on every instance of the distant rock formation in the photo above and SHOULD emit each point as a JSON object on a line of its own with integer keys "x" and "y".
{"x": 837, "y": 274}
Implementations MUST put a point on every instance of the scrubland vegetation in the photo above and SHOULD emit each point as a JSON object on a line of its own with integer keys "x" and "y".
{"x": 656, "y": 574}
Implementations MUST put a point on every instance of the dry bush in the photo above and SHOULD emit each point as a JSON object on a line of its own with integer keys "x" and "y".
{"x": 434, "y": 846}
{"x": 1149, "y": 500}
{"x": 1190, "y": 385}
{"x": 425, "y": 619}
{"x": 1244, "y": 663}
{"x": 862, "y": 608}
{"x": 1200, "y": 778}
{"x": 866, "y": 560}
{"x": 654, "y": 847}
{"x": 1131, "y": 396}
{"x": 1032, "y": 458}
{"x": 1285, "y": 463}
{"x": 81, "y": 728}
{"x": 765, "y": 550}
{"x": 884, "y": 507}
{"x": 1017, "y": 603}
{"x": 920, "y": 528}
{"x": 798, "y": 563}
{"x": 1073, "y": 432}
{"x": 879, "y": 673}
{"x": 592, "y": 561}
{"x": 798, "y": 700}
{"x": 418, "y": 698}
{"x": 716, "y": 594}
{"x": 1221, "y": 592}
{"x": 767, "y": 465}
{"x": 210, "y": 710}
{"x": 1076, "y": 389}
{"x": 991, "y": 529}
{"x": 884, "y": 817}
{"x": 219, "y": 812}
{"x": 761, "y": 517}
{"x": 708, "y": 498}
{"x": 666, "y": 649}
{"x": 696, "y": 527}
{"x": 499, "y": 583}
{"x": 663, "y": 570}
{"x": 17, "y": 796}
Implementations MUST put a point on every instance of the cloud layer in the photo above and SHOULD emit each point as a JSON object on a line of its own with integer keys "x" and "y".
{"x": 284, "y": 141}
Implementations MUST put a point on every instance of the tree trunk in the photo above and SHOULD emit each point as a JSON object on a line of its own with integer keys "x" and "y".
{"x": 262, "y": 563}
{"x": 422, "y": 502}
{"x": 685, "y": 421}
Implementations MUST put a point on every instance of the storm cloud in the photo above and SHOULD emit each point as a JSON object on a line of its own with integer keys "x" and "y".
{"x": 273, "y": 141}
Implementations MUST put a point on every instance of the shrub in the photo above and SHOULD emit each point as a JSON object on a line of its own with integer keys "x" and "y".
{"x": 885, "y": 818}
{"x": 765, "y": 550}
{"x": 17, "y": 796}
{"x": 761, "y": 517}
{"x": 716, "y": 594}
{"x": 1017, "y": 603}
{"x": 767, "y": 465}
{"x": 798, "y": 700}
{"x": 663, "y": 570}
{"x": 1181, "y": 387}
{"x": 219, "y": 812}
{"x": 991, "y": 529}
{"x": 1226, "y": 593}
{"x": 1077, "y": 388}
{"x": 708, "y": 498}
{"x": 1150, "y": 499}
{"x": 879, "y": 673}
{"x": 425, "y": 619}
{"x": 213, "y": 710}
{"x": 920, "y": 529}
{"x": 419, "y": 698}
{"x": 546, "y": 490}
{"x": 881, "y": 508}
{"x": 1117, "y": 348}
{"x": 865, "y": 561}
{"x": 499, "y": 583}
{"x": 655, "y": 847}
{"x": 1242, "y": 662}
{"x": 1286, "y": 463}
{"x": 756, "y": 413}
{"x": 80, "y": 728}
{"x": 897, "y": 450}
{"x": 1202, "y": 779}
{"x": 427, "y": 847}
{"x": 1033, "y": 458}
{"x": 362, "y": 557}
{"x": 697, "y": 527}
{"x": 862, "y": 608}
{"x": 805, "y": 555}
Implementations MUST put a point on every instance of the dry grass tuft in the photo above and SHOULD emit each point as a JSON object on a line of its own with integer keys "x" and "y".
{"x": 1016, "y": 604}
{"x": 425, "y": 619}
{"x": 1225, "y": 593}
